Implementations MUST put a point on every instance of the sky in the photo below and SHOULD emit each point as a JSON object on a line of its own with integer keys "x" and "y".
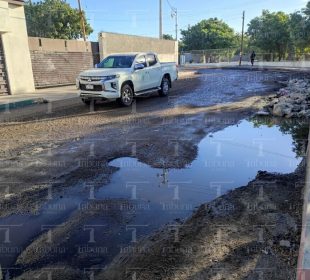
{"x": 141, "y": 17}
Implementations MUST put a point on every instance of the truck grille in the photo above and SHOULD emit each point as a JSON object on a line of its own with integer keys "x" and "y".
{"x": 91, "y": 79}
{"x": 96, "y": 88}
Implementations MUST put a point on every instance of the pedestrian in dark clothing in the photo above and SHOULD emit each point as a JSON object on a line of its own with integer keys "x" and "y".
{"x": 253, "y": 55}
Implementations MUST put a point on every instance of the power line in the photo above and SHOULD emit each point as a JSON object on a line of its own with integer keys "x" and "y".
{"x": 174, "y": 14}
{"x": 171, "y": 7}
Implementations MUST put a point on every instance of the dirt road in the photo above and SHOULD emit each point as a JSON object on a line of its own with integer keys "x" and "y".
{"x": 52, "y": 152}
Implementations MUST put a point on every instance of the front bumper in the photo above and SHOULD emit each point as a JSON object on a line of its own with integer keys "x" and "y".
{"x": 98, "y": 89}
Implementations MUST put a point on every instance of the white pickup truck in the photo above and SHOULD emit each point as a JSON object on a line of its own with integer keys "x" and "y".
{"x": 121, "y": 77}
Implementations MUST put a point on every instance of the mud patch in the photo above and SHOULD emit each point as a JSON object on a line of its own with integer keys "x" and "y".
{"x": 79, "y": 228}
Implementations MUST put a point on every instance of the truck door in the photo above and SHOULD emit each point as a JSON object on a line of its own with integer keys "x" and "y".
{"x": 154, "y": 70}
{"x": 141, "y": 78}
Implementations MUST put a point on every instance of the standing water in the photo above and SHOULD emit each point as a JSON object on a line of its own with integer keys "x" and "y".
{"x": 226, "y": 160}
{"x": 146, "y": 198}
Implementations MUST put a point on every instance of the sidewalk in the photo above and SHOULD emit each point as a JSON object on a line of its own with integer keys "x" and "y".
{"x": 39, "y": 96}
{"x": 45, "y": 95}
{"x": 285, "y": 65}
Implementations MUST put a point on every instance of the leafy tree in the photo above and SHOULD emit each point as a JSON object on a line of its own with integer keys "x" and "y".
{"x": 209, "y": 34}
{"x": 54, "y": 19}
{"x": 247, "y": 48}
{"x": 299, "y": 33}
{"x": 306, "y": 10}
{"x": 168, "y": 37}
{"x": 270, "y": 32}
{"x": 303, "y": 29}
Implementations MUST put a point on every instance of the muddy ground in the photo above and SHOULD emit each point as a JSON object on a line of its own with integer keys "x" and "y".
{"x": 50, "y": 149}
{"x": 252, "y": 232}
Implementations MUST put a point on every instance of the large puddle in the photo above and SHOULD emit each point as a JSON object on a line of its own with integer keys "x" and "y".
{"x": 146, "y": 198}
{"x": 226, "y": 160}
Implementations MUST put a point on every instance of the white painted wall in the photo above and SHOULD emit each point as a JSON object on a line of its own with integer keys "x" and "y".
{"x": 15, "y": 44}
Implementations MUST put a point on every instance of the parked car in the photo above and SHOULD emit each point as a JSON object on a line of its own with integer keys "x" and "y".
{"x": 121, "y": 77}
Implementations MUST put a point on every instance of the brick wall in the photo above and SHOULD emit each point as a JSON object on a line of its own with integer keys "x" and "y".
{"x": 59, "y": 68}
{"x": 58, "y": 62}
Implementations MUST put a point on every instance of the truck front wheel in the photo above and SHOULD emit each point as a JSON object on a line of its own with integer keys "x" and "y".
{"x": 165, "y": 87}
{"x": 87, "y": 101}
{"x": 126, "y": 98}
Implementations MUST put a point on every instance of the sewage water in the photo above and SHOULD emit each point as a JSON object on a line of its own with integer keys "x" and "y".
{"x": 146, "y": 198}
{"x": 226, "y": 160}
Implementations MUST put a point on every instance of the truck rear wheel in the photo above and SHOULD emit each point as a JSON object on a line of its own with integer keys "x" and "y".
{"x": 126, "y": 98}
{"x": 165, "y": 87}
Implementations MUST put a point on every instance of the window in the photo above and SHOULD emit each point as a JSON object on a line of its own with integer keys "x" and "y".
{"x": 108, "y": 63}
{"x": 141, "y": 59}
{"x": 151, "y": 58}
{"x": 117, "y": 62}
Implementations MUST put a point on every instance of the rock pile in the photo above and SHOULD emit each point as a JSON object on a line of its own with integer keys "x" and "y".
{"x": 292, "y": 101}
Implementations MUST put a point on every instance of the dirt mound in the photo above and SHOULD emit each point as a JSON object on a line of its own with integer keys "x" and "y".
{"x": 249, "y": 233}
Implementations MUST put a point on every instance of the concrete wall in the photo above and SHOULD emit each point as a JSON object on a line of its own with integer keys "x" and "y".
{"x": 58, "y": 45}
{"x": 15, "y": 45}
{"x": 58, "y": 62}
{"x": 110, "y": 43}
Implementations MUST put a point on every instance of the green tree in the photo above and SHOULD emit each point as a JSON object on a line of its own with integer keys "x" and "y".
{"x": 306, "y": 10}
{"x": 270, "y": 33}
{"x": 247, "y": 48}
{"x": 168, "y": 37}
{"x": 54, "y": 19}
{"x": 299, "y": 33}
{"x": 209, "y": 34}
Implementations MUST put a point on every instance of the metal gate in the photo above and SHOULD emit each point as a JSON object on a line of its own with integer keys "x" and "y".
{"x": 4, "y": 85}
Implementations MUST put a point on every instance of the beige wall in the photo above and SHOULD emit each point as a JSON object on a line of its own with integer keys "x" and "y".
{"x": 15, "y": 44}
{"x": 58, "y": 45}
{"x": 58, "y": 62}
{"x": 109, "y": 43}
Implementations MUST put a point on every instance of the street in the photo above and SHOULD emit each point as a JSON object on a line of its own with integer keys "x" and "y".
{"x": 60, "y": 164}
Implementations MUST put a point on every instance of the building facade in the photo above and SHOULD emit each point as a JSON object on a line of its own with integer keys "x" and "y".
{"x": 16, "y": 75}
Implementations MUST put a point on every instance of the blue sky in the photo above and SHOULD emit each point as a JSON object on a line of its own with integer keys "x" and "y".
{"x": 140, "y": 17}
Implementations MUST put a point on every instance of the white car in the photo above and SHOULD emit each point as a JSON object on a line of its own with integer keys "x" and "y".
{"x": 121, "y": 77}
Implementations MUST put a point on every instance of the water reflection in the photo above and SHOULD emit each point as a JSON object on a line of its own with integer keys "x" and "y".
{"x": 297, "y": 128}
{"x": 163, "y": 177}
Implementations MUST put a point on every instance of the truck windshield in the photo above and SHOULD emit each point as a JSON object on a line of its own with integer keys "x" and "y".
{"x": 121, "y": 61}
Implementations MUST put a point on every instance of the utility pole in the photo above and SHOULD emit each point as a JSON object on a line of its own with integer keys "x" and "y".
{"x": 160, "y": 19}
{"x": 242, "y": 36}
{"x": 82, "y": 21}
{"x": 176, "y": 25}
{"x": 175, "y": 14}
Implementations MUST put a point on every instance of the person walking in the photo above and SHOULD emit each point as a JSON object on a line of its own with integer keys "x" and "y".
{"x": 253, "y": 55}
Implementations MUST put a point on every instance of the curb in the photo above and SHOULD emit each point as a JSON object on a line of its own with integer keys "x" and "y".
{"x": 242, "y": 67}
{"x": 303, "y": 266}
{"x": 21, "y": 104}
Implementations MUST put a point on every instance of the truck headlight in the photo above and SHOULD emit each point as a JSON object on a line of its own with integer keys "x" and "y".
{"x": 108, "y": 78}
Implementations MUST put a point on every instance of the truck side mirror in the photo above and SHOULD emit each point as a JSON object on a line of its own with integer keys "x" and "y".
{"x": 139, "y": 66}
{"x": 96, "y": 65}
